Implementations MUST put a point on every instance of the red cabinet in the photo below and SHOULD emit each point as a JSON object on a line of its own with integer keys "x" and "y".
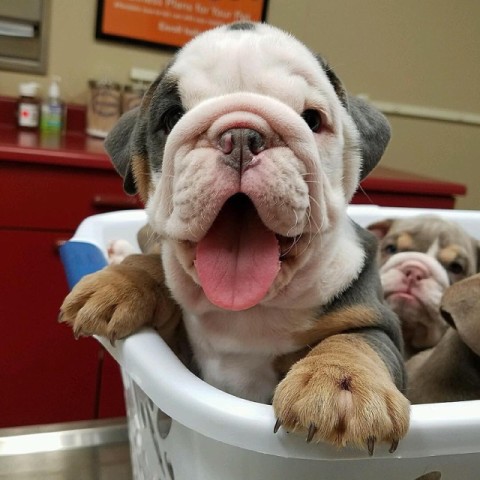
{"x": 47, "y": 376}
{"x": 393, "y": 188}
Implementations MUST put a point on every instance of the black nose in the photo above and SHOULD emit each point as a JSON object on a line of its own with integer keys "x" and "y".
{"x": 239, "y": 146}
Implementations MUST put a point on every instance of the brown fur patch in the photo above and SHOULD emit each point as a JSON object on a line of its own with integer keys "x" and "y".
{"x": 338, "y": 321}
{"x": 141, "y": 173}
{"x": 343, "y": 392}
{"x": 120, "y": 299}
{"x": 327, "y": 325}
{"x": 405, "y": 242}
{"x": 449, "y": 254}
{"x": 462, "y": 302}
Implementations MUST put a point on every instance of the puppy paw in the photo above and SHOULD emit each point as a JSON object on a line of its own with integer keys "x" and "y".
{"x": 113, "y": 302}
{"x": 342, "y": 393}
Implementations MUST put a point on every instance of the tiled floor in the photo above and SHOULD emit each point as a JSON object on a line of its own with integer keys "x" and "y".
{"x": 108, "y": 459}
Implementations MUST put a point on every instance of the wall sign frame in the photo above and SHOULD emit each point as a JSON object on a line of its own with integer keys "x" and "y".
{"x": 169, "y": 23}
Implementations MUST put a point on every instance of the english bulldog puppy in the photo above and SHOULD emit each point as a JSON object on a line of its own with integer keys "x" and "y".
{"x": 450, "y": 371}
{"x": 246, "y": 151}
{"x": 420, "y": 257}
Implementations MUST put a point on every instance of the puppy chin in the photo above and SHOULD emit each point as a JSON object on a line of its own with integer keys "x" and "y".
{"x": 421, "y": 322}
{"x": 406, "y": 306}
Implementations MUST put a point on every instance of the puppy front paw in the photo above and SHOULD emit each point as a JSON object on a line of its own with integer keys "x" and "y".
{"x": 342, "y": 393}
{"x": 113, "y": 302}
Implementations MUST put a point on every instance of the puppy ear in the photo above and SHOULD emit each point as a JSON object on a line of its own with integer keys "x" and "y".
{"x": 334, "y": 80}
{"x": 371, "y": 123}
{"x": 118, "y": 146}
{"x": 460, "y": 306}
{"x": 381, "y": 228}
{"x": 374, "y": 132}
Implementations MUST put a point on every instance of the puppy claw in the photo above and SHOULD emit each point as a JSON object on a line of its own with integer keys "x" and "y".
{"x": 61, "y": 317}
{"x": 77, "y": 332}
{"x": 312, "y": 430}
{"x": 113, "y": 338}
{"x": 277, "y": 426}
{"x": 371, "y": 445}
{"x": 394, "y": 446}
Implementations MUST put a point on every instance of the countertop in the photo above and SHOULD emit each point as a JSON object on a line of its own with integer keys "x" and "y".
{"x": 71, "y": 149}
{"x": 76, "y": 149}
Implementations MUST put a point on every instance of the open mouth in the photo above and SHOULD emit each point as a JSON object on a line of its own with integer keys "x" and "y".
{"x": 239, "y": 258}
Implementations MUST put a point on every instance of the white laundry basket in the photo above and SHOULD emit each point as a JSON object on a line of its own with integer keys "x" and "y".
{"x": 184, "y": 429}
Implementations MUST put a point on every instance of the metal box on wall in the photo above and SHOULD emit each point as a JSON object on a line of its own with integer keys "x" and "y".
{"x": 24, "y": 26}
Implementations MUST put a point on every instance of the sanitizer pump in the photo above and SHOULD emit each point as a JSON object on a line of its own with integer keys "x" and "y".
{"x": 53, "y": 110}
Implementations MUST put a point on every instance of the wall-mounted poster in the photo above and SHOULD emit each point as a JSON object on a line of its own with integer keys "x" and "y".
{"x": 170, "y": 22}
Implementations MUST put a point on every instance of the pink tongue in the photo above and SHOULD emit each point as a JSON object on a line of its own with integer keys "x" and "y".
{"x": 238, "y": 260}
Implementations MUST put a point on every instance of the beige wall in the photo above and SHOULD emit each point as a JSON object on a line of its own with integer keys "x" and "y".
{"x": 421, "y": 52}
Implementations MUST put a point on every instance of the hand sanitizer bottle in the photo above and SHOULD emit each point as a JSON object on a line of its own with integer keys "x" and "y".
{"x": 53, "y": 110}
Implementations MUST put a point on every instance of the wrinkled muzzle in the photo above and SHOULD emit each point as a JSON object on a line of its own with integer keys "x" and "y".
{"x": 194, "y": 146}
{"x": 239, "y": 175}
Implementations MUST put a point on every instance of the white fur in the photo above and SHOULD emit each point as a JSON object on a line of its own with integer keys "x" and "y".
{"x": 300, "y": 186}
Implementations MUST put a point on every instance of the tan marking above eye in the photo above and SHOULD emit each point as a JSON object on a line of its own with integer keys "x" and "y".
{"x": 405, "y": 242}
{"x": 449, "y": 254}
{"x": 456, "y": 260}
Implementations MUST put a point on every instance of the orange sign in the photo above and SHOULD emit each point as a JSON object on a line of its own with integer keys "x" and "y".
{"x": 170, "y": 22}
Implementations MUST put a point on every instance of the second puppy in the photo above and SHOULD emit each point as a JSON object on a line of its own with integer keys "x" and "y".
{"x": 420, "y": 257}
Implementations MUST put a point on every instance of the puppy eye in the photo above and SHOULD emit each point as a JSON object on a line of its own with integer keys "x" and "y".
{"x": 455, "y": 268}
{"x": 313, "y": 119}
{"x": 170, "y": 118}
{"x": 390, "y": 249}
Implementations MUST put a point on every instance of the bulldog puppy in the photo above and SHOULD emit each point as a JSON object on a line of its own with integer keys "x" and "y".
{"x": 450, "y": 371}
{"x": 420, "y": 257}
{"x": 246, "y": 151}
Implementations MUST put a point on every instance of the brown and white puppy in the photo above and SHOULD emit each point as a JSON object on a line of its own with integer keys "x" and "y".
{"x": 247, "y": 150}
{"x": 420, "y": 257}
{"x": 451, "y": 370}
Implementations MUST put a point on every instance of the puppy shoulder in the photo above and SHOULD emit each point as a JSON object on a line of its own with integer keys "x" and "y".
{"x": 367, "y": 289}
{"x": 360, "y": 304}
{"x": 361, "y": 309}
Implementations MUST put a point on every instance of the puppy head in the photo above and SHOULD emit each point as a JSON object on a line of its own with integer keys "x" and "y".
{"x": 246, "y": 143}
{"x": 460, "y": 307}
{"x": 420, "y": 257}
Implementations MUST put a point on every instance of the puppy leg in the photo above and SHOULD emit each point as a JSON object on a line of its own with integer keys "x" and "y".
{"x": 342, "y": 392}
{"x": 120, "y": 299}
